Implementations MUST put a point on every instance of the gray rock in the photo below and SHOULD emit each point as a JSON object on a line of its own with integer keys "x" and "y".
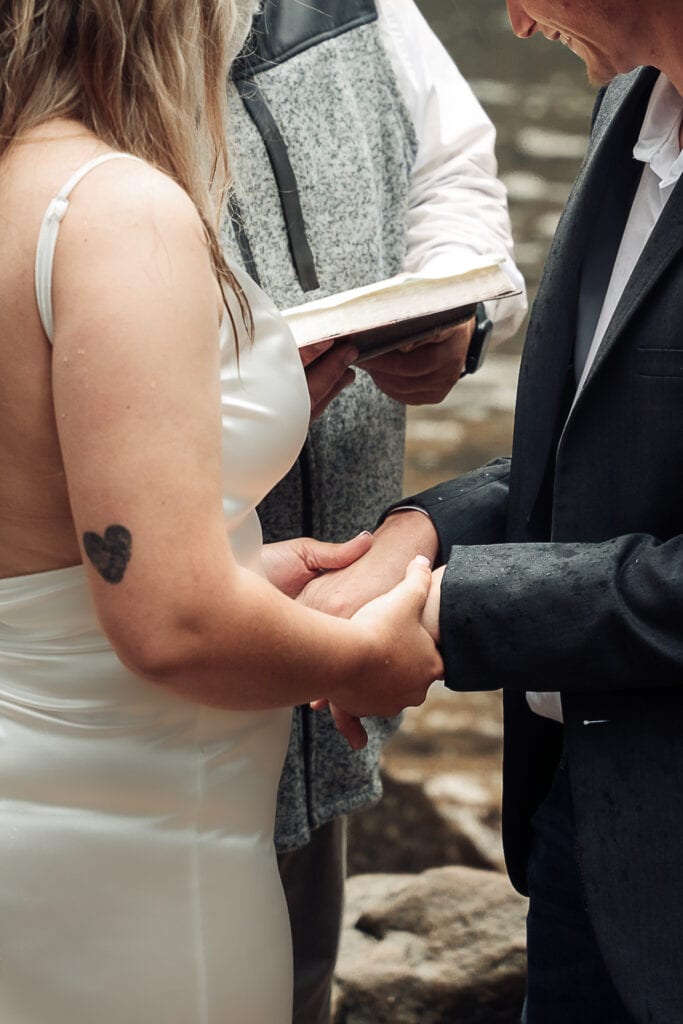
{"x": 443, "y": 947}
{"x": 421, "y": 824}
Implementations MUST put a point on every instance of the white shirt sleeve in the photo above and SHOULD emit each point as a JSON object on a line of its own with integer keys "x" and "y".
{"x": 456, "y": 201}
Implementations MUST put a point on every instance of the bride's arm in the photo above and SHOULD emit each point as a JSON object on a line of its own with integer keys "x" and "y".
{"x": 137, "y": 406}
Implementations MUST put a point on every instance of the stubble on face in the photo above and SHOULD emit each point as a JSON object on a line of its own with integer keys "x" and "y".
{"x": 599, "y": 71}
{"x": 601, "y": 33}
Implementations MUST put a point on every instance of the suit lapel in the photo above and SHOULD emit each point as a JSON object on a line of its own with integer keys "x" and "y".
{"x": 549, "y": 348}
{"x": 663, "y": 246}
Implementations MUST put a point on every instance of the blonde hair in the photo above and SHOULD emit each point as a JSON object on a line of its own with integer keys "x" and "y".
{"x": 148, "y": 77}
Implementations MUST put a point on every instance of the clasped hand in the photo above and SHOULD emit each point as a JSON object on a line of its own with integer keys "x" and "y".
{"x": 392, "y": 600}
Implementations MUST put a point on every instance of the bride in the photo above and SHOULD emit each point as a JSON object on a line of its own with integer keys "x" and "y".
{"x": 149, "y": 397}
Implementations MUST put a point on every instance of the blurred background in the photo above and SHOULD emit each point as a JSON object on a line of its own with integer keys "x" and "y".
{"x": 536, "y": 94}
{"x": 443, "y": 768}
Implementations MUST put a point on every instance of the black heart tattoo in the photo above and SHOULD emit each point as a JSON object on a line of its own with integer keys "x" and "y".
{"x": 109, "y": 554}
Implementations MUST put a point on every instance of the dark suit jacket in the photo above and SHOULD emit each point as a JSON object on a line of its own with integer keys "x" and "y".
{"x": 567, "y": 574}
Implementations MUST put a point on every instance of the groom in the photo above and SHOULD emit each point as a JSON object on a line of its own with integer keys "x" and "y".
{"x": 563, "y": 576}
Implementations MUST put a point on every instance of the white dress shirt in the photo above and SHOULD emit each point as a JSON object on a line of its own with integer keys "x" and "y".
{"x": 456, "y": 201}
{"x": 658, "y": 147}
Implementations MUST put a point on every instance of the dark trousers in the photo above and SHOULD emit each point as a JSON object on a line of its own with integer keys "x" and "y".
{"x": 313, "y": 880}
{"x": 567, "y": 982}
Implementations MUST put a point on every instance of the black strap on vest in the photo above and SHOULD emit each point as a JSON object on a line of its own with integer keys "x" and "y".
{"x": 242, "y": 239}
{"x": 299, "y": 248}
{"x": 283, "y": 29}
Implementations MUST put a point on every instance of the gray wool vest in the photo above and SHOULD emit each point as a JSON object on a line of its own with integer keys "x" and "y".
{"x": 322, "y": 149}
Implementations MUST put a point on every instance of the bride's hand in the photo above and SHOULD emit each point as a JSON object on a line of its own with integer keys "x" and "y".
{"x": 402, "y": 660}
{"x": 290, "y": 564}
{"x": 350, "y": 726}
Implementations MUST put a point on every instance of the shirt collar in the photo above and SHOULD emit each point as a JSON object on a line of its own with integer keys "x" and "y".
{"x": 658, "y": 144}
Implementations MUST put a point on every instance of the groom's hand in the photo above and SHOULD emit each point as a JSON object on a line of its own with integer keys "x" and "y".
{"x": 402, "y": 536}
{"x": 430, "y": 613}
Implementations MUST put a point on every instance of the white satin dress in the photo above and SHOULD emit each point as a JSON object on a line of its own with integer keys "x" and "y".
{"x": 138, "y": 880}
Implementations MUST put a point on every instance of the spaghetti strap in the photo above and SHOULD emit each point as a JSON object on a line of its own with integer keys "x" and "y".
{"x": 47, "y": 238}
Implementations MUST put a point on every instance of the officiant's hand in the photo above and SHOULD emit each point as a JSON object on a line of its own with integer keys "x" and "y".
{"x": 328, "y": 372}
{"x": 425, "y": 369}
{"x": 350, "y": 726}
{"x": 400, "y": 537}
{"x": 291, "y": 564}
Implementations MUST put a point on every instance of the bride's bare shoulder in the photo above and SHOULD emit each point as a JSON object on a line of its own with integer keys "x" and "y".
{"x": 43, "y": 160}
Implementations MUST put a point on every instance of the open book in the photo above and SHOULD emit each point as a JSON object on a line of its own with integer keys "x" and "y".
{"x": 383, "y": 316}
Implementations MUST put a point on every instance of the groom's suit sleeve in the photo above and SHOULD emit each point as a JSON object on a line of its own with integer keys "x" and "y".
{"x": 472, "y": 509}
{"x": 550, "y": 616}
{"x": 575, "y": 617}
{"x": 564, "y": 616}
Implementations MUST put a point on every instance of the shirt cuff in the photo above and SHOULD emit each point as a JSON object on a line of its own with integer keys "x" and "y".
{"x": 408, "y": 508}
